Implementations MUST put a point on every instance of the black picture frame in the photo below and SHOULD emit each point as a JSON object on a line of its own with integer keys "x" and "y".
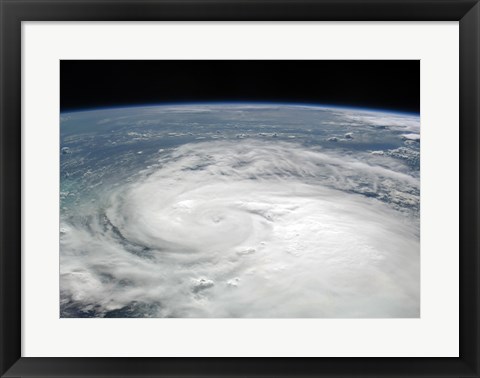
{"x": 13, "y": 12}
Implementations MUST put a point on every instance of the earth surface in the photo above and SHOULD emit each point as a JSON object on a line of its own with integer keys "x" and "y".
{"x": 239, "y": 210}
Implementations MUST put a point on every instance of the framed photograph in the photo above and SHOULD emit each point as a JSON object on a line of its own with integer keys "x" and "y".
{"x": 242, "y": 188}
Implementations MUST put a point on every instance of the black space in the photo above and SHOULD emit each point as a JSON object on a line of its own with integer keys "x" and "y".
{"x": 377, "y": 84}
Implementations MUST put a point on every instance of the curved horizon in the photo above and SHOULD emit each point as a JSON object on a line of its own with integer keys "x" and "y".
{"x": 205, "y": 103}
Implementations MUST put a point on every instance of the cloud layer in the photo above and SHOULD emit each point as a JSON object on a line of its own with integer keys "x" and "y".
{"x": 247, "y": 228}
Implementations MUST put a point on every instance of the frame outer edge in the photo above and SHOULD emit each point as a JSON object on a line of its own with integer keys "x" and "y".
{"x": 10, "y": 187}
{"x": 10, "y": 77}
{"x": 470, "y": 187}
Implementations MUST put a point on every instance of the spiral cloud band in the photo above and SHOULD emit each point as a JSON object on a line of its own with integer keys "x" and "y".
{"x": 246, "y": 227}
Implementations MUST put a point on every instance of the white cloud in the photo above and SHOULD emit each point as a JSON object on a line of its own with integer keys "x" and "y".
{"x": 250, "y": 229}
{"x": 397, "y": 122}
{"x": 411, "y": 136}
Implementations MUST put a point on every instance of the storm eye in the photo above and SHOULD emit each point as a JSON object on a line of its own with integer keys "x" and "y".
{"x": 217, "y": 218}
